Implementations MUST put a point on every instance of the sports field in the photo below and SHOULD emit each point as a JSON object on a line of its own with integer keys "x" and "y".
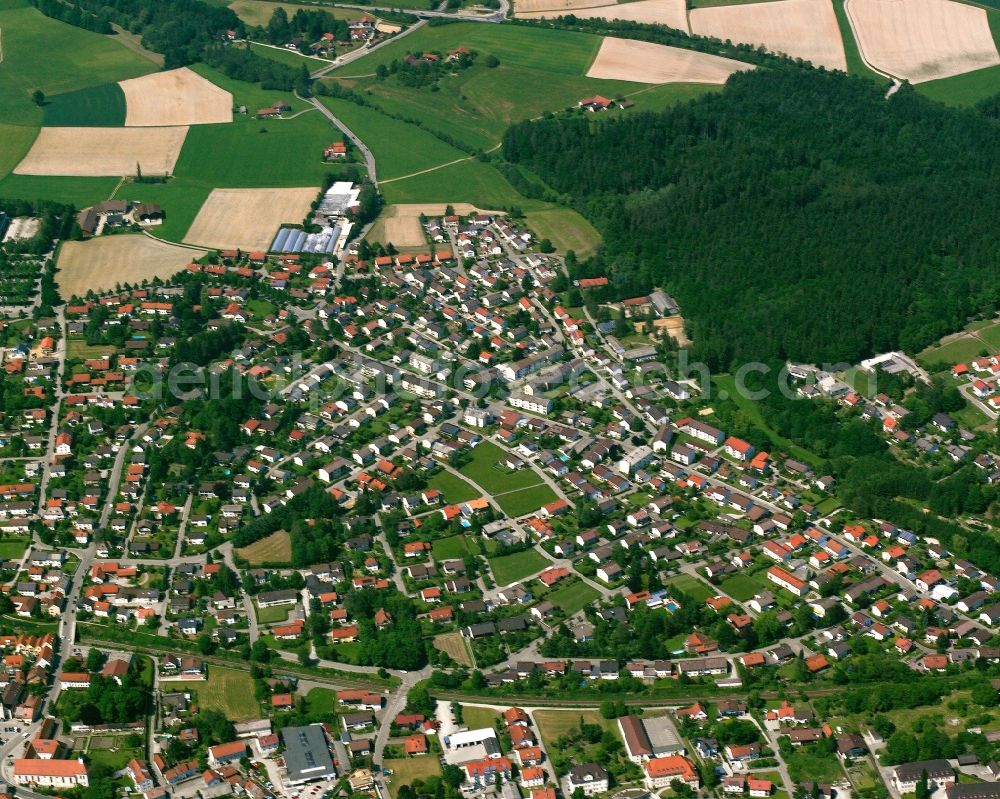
{"x": 509, "y": 569}
{"x": 103, "y": 262}
{"x": 275, "y": 548}
{"x": 229, "y": 691}
{"x": 94, "y": 152}
{"x": 175, "y": 97}
{"x": 247, "y": 218}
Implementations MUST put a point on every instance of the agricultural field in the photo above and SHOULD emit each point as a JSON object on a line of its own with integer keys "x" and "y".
{"x": 95, "y": 106}
{"x": 453, "y": 644}
{"x": 645, "y": 62}
{"x": 672, "y": 13}
{"x": 247, "y": 218}
{"x": 128, "y": 258}
{"x": 572, "y": 597}
{"x": 175, "y": 97}
{"x": 81, "y": 192}
{"x": 923, "y": 39}
{"x": 275, "y": 548}
{"x": 478, "y": 104}
{"x": 963, "y": 90}
{"x": 95, "y": 152}
{"x": 804, "y": 29}
{"x": 509, "y": 569}
{"x": 229, "y": 691}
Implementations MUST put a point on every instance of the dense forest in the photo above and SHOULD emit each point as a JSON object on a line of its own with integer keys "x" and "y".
{"x": 796, "y": 214}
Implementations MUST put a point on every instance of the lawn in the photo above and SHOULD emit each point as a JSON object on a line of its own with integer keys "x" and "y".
{"x": 95, "y": 106}
{"x": 229, "y": 691}
{"x": 484, "y": 470}
{"x": 322, "y": 700}
{"x": 83, "y": 59}
{"x": 454, "y": 488}
{"x": 476, "y": 718}
{"x": 573, "y": 597}
{"x": 275, "y": 548}
{"x": 448, "y": 548}
{"x": 692, "y": 586}
{"x": 113, "y": 759}
{"x": 406, "y": 770}
{"x": 566, "y": 229}
{"x": 12, "y": 548}
{"x": 509, "y": 569}
{"x": 525, "y": 500}
{"x": 273, "y": 614}
{"x": 807, "y": 762}
{"x": 553, "y": 724}
{"x": 726, "y": 383}
{"x": 741, "y": 587}
{"x": 78, "y": 348}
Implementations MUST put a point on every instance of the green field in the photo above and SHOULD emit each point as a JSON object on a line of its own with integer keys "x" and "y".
{"x": 288, "y": 57}
{"x": 478, "y": 104}
{"x": 509, "y": 569}
{"x": 453, "y": 546}
{"x": 82, "y": 59}
{"x": 484, "y": 470}
{"x": 322, "y": 700}
{"x": 525, "y": 500}
{"x": 229, "y": 691}
{"x": 697, "y": 589}
{"x": 959, "y": 350}
{"x": 741, "y": 587}
{"x": 469, "y": 181}
{"x": 406, "y": 770}
{"x": 967, "y": 89}
{"x": 855, "y": 63}
{"x": 573, "y": 597}
{"x": 454, "y": 488}
{"x": 13, "y": 548}
{"x": 566, "y": 229}
{"x": 476, "y": 718}
{"x": 553, "y": 724}
{"x": 80, "y": 192}
{"x": 807, "y": 763}
{"x": 273, "y": 614}
{"x": 96, "y": 106}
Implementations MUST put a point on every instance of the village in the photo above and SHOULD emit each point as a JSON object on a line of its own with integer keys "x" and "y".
{"x": 400, "y": 496}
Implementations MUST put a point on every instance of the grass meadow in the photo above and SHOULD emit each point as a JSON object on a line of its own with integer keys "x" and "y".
{"x": 95, "y": 106}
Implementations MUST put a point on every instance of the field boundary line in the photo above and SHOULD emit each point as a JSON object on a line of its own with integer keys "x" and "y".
{"x": 861, "y": 50}
{"x": 175, "y": 243}
{"x": 494, "y": 148}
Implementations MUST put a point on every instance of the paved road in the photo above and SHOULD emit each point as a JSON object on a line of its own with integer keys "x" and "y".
{"x": 369, "y": 158}
{"x": 362, "y": 52}
{"x": 60, "y": 353}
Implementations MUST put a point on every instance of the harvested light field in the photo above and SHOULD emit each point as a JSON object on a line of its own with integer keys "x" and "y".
{"x": 97, "y": 152}
{"x": 275, "y": 548}
{"x": 100, "y": 263}
{"x": 922, "y": 40}
{"x": 247, "y": 218}
{"x": 804, "y": 29}
{"x": 671, "y": 13}
{"x": 176, "y": 97}
{"x": 645, "y": 62}
{"x": 453, "y": 644}
{"x": 529, "y": 7}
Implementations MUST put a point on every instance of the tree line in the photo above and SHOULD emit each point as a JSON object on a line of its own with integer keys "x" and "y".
{"x": 797, "y": 214}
